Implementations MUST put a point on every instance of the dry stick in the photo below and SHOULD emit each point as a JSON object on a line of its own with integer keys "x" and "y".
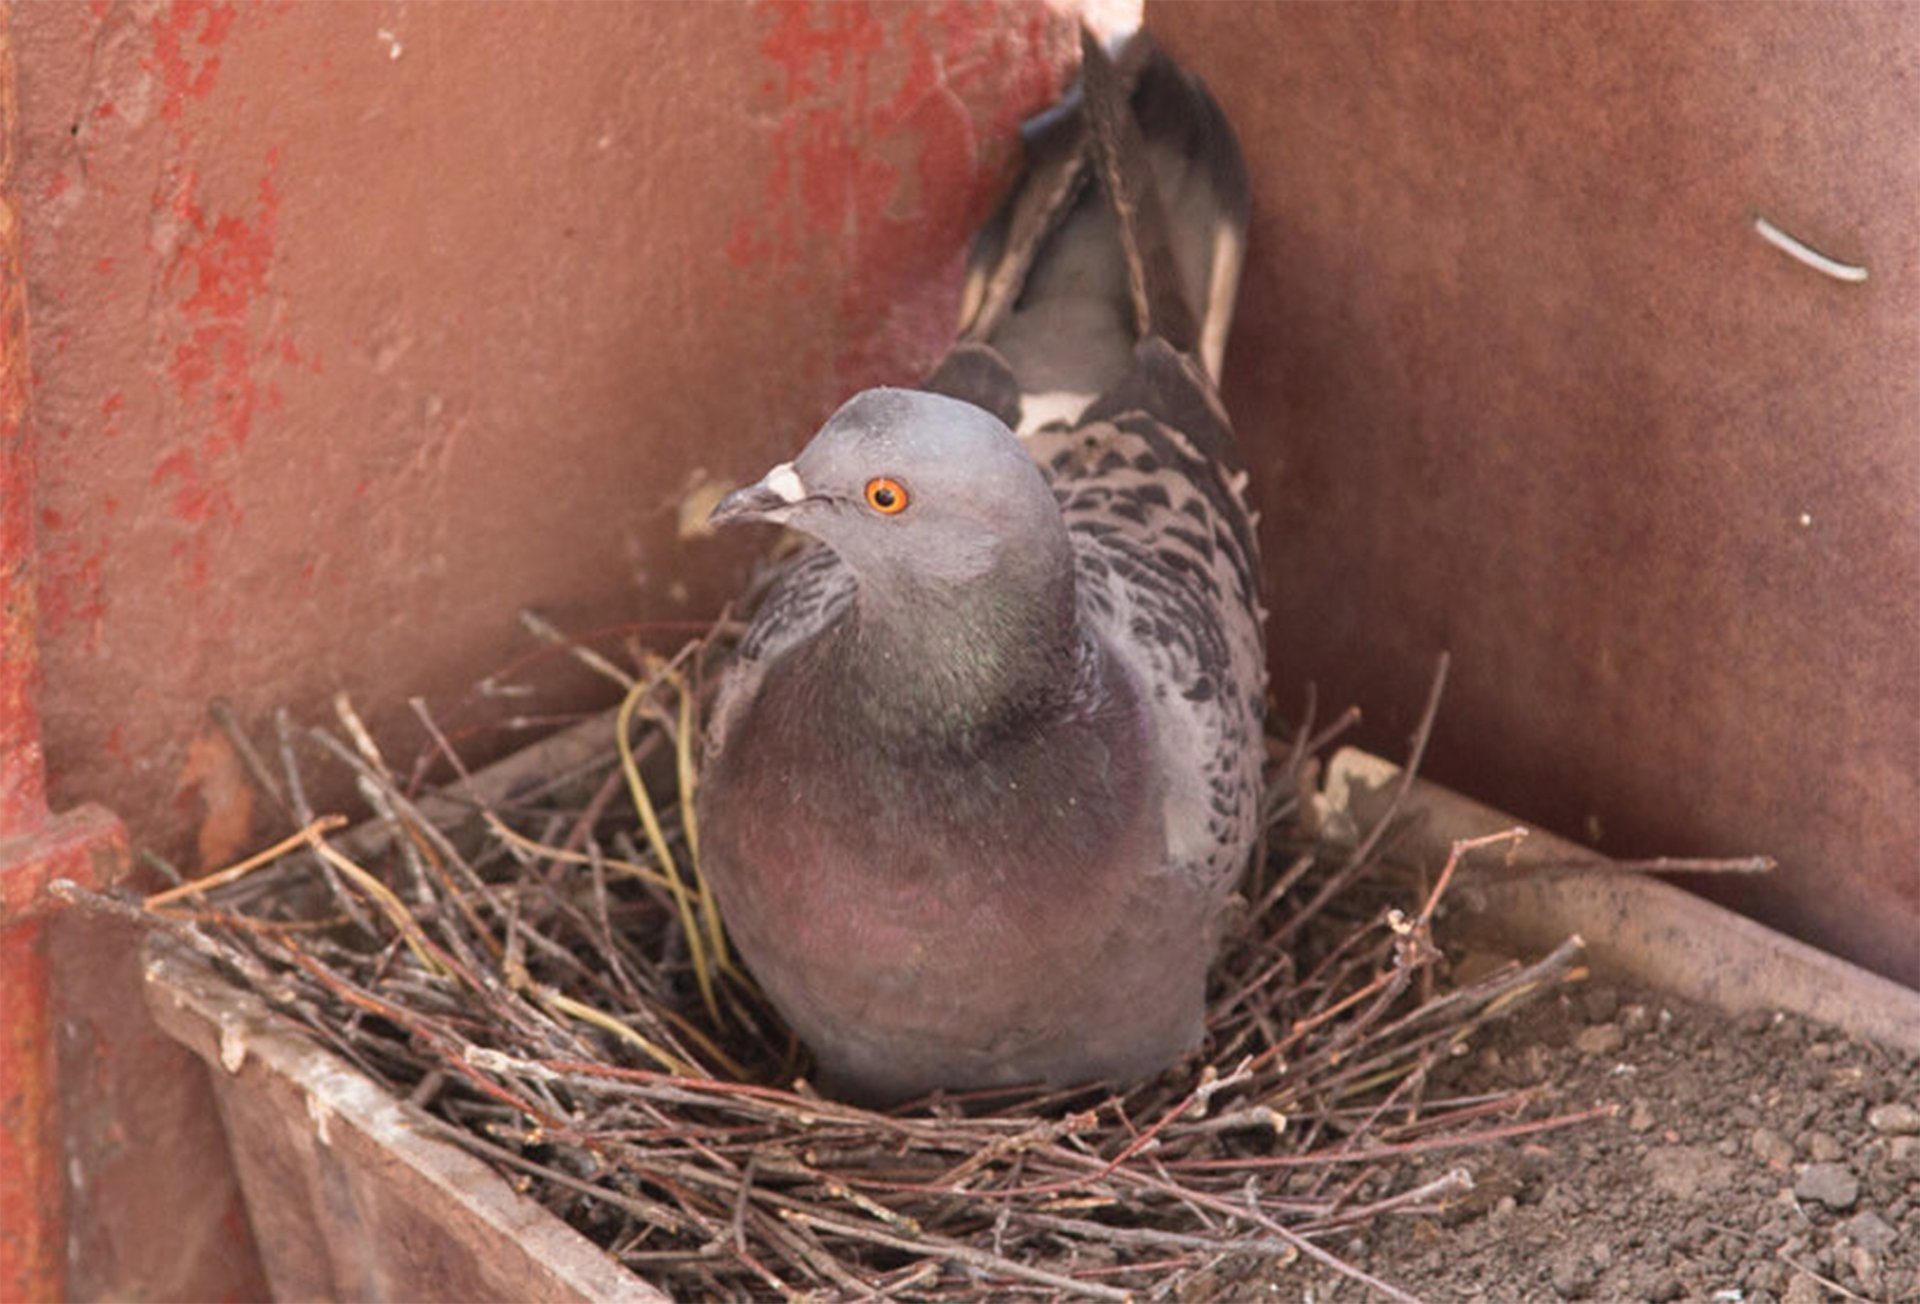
{"x": 430, "y": 955}
{"x": 1495, "y": 992}
{"x": 650, "y": 1212}
{"x": 440, "y": 1041}
{"x": 1280, "y": 800}
{"x": 607, "y": 1023}
{"x": 1455, "y": 856}
{"x": 418, "y": 705}
{"x": 303, "y": 813}
{"x": 1270, "y": 1247}
{"x": 1455, "y": 1181}
{"x": 412, "y": 817}
{"x": 943, "y": 1248}
{"x": 582, "y": 832}
{"x": 223, "y": 715}
{"x": 1307, "y": 1247}
{"x": 560, "y": 855}
{"x": 540, "y": 627}
{"x": 270, "y": 986}
{"x": 1341, "y": 880}
{"x": 1828, "y": 1282}
{"x": 1201, "y": 1092}
{"x": 1394, "y": 1149}
{"x": 796, "y": 1253}
{"x": 803, "y": 1247}
{"x": 194, "y": 887}
{"x": 1655, "y": 865}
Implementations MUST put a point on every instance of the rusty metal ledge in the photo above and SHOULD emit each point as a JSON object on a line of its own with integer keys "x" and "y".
{"x": 1634, "y": 926}
{"x": 350, "y": 1198}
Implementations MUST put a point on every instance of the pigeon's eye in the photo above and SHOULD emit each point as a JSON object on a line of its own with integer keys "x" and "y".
{"x": 888, "y": 497}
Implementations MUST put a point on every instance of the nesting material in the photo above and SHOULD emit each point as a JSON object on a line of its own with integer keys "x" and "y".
{"x": 529, "y": 960}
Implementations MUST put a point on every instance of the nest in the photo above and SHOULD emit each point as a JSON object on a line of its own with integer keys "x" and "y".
{"x": 526, "y": 955}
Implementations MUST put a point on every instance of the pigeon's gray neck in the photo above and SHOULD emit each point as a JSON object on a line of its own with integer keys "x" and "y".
{"x": 957, "y": 660}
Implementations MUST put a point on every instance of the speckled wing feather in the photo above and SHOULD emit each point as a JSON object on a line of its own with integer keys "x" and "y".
{"x": 1112, "y": 352}
{"x": 1167, "y": 571}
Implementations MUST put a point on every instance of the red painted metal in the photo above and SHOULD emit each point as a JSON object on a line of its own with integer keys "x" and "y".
{"x": 86, "y": 845}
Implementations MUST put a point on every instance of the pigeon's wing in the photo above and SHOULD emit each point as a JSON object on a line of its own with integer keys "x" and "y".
{"x": 1167, "y": 574}
{"x": 1097, "y": 309}
{"x": 808, "y": 594}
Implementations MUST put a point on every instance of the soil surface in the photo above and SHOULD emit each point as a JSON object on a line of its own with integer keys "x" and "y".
{"x": 1753, "y": 1160}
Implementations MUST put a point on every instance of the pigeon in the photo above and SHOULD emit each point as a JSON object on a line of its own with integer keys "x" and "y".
{"x": 986, "y": 770}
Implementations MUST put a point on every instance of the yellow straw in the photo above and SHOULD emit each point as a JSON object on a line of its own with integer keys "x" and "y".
{"x": 650, "y": 821}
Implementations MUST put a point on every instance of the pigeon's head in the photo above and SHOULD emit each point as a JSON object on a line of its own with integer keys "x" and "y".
{"x": 911, "y": 486}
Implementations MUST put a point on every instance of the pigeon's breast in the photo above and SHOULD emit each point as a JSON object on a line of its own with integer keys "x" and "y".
{"x": 957, "y": 903}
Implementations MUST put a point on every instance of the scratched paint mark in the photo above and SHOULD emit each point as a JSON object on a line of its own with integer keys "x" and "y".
{"x": 895, "y": 134}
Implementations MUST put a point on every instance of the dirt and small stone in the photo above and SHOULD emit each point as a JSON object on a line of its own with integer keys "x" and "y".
{"x": 1753, "y": 1160}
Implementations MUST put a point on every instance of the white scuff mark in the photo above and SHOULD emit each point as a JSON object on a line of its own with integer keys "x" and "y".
{"x": 1802, "y": 252}
{"x": 1806, "y": 519}
{"x": 393, "y": 42}
{"x": 321, "y": 1113}
{"x": 233, "y": 1047}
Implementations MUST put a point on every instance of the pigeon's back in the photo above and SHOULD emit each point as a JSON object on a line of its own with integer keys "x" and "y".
{"x": 1062, "y": 927}
{"x": 1100, "y": 340}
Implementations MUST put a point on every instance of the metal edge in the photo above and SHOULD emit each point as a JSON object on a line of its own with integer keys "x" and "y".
{"x": 229, "y": 1027}
{"x": 1634, "y": 925}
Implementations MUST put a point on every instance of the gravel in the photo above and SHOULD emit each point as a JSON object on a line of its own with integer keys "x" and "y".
{"x": 1761, "y": 1159}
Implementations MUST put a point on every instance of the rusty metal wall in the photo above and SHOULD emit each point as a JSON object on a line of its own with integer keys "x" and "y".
{"x": 1526, "y": 385}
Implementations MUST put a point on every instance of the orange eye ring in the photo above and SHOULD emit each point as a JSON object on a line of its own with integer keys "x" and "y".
{"x": 886, "y": 496}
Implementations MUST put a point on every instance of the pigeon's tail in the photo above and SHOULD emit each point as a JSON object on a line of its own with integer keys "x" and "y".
{"x": 1129, "y": 226}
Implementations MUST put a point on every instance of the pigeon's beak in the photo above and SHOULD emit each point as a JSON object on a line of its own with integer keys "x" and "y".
{"x": 770, "y": 499}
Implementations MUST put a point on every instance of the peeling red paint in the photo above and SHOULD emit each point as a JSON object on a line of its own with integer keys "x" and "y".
{"x": 889, "y": 180}
{"x": 76, "y": 600}
{"x": 181, "y": 76}
{"x": 220, "y": 271}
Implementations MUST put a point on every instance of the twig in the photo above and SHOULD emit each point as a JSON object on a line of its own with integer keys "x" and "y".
{"x": 1825, "y": 1281}
{"x": 540, "y": 627}
{"x": 1657, "y": 865}
{"x": 206, "y": 883}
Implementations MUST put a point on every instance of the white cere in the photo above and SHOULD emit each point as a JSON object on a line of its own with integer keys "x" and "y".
{"x": 785, "y": 481}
